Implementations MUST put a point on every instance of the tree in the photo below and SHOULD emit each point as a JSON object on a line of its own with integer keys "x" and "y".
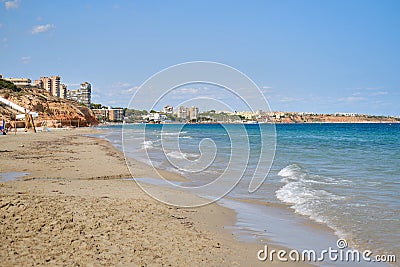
{"x": 96, "y": 106}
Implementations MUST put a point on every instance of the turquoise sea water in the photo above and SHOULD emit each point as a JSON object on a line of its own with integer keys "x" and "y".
{"x": 346, "y": 176}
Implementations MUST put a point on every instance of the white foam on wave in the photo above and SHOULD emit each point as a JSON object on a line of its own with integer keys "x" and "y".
{"x": 291, "y": 170}
{"x": 173, "y": 133}
{"x": 301, "y": 191}
{"x": 181, "y": 155}
{"x": 148, "y": 144}
{"x": 295, "y": 172}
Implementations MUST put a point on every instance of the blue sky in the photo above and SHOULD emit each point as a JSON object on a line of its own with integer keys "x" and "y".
{"x": 319, "y": 56}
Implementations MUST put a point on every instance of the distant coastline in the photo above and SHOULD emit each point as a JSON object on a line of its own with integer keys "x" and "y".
{"x": 54, "y": 111}
{"x": 211, "y": 123}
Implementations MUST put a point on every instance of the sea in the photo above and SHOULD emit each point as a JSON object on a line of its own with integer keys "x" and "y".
{"x": 338, "y": 176}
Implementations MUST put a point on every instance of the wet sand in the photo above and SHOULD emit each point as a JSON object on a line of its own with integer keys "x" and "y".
{"x": 73, "y": 208}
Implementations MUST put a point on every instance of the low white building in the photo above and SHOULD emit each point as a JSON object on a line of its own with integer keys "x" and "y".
{"x": 19, "y": 81}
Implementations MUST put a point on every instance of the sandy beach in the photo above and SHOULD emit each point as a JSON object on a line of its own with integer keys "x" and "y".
{"x": 73, "y": 208}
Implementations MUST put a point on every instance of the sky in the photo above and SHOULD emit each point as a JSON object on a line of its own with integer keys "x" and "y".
{"x": 316, "y": 56}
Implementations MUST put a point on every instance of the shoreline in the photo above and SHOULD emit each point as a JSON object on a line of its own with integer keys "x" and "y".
{"x": 259, "y": 123}
{"x": 246, "y": 230}
{"x": 64, "y": 192}
{"x": 286, "y": 218}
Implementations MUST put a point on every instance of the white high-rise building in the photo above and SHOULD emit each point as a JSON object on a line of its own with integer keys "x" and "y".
{"x": 186, "y": 113}
{"x": 81, "y": 95}
{"x": 193, "y": 113}
{"x": 181, "y": 112}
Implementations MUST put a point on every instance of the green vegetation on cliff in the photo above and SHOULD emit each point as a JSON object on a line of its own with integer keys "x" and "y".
{"x": 8, "y": 85}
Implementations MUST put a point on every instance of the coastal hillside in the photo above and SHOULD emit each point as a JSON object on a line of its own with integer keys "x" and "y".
{"x": 330, "y": 118}
{"x": 52, "y": 110}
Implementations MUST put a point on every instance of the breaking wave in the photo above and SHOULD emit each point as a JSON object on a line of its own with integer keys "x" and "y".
{"x": 304, "y": 193}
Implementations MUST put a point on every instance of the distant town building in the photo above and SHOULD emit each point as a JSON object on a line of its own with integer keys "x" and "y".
{"x": 109, "y": 114}
{"x": 168, "y": 109}
{"x": 81, "y": 95}
{"x": 249, "y": 115}
{"x": 38, "y": 84}
{"x": 19, "y": 81}
{"x": 154, "y": 117}
{"x": 116, "y": 114}
{"x": 345, "y": 114}
{"x": 193, "y": 113}
{"x": 50, "y": 84}
{"x": 63, "y": 91}
{"x": 181, "y": 112}
{"x": 187, "y": 113}
{"x": 306, "y": 113}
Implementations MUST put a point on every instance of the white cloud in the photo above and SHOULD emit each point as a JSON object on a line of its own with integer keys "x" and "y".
{"x": 4, "y": 42}
{"x": 366, "y": 93}
{"x": 352, "y": 99}
{"x": 131, "y": 90}
{"x": 26, "y": 60}
{"x": 267, "y": 90}
{"x": 42, "y": 28}
{"x": 12, "y": 4}
{"x": 379, "y": 93}
{"x": 125, "y": 88}
{"x": 290, "y": 99}
{"x": 121, "y": 84}
{"x": 185, "y": 90}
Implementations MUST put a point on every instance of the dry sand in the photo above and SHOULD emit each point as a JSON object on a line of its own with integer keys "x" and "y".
{"x": 72, "y": 209}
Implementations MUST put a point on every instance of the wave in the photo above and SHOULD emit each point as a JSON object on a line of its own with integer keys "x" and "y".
{"x": 173, "y": 133}
{"x": 148, "y": 144}
{"x": 295, "y": 172}
{"x": 303, "y": 192}
{"x": 181, "y": 155}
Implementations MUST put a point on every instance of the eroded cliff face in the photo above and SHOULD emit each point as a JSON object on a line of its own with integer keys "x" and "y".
{"x": 53, "y": 111}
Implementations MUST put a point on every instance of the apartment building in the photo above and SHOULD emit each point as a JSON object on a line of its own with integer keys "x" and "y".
{"x": 109, "y": 114}
{"x": 187, "y": 113}
{"x": 181, "y": 112}
{"x": 193, "y": 113}
{"x": 81, "y": 95}
{"x": 52, "y": 85}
